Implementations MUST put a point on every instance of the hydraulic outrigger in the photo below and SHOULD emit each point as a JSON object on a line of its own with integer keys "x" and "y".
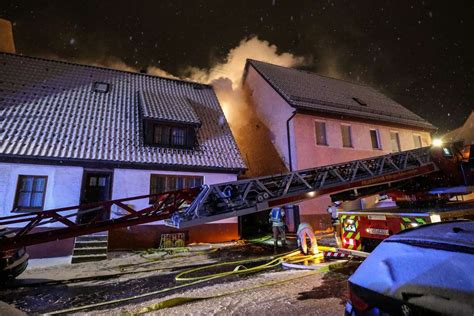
{"x": 189, "y": 207}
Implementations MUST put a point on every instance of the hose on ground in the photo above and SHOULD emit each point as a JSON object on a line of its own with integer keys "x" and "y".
{"x": 273, "y": 262}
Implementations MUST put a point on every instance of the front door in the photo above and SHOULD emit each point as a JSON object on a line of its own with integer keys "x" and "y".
{"x": 95, "y": 188}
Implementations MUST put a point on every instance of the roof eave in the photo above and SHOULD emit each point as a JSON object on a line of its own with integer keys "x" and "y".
{"x": 96, "y": 163}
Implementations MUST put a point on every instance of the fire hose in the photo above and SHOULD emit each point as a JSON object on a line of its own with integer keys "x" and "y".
{"x": 272, "y": 262}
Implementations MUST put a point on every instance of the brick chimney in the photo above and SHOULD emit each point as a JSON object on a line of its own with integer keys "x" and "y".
{"x": 7, "y": 44}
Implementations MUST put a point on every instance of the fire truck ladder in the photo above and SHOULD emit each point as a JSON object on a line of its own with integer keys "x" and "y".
{"x": 221, "y": 201}
{"x": 209, "y": 203}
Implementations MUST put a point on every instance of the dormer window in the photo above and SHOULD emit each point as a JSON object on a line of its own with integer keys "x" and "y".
{"x": 169, "y": 135}
{"x": 168, "y": 120}
{"x": 101, "y": 87}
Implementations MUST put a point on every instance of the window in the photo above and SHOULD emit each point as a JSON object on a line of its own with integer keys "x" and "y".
{"x": 97, "y": 181}
{"x": 169, "y": 135}
{"x": 101, "y": 87}
{"x": 320, "y": 128}
{"x": 374, "y": 137}
{"x": 395, "y": 141}
{"x": 417, "y": 141}
{"x": 346, "y": 132}
{"x": 178, "y": 136}
{"x": 165, "y": 183}
{"x": 30, "y": 193}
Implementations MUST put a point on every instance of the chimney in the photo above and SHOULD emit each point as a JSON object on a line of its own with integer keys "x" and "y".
{"x": 6, "y": 37}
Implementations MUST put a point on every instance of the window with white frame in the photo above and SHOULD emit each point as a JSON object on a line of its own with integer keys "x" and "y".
{"x": 417, "y": 141}
{"x": 395, "y": 141}
{"x": 320, "y": 133}
{"x": 346, "y": 131}
{"x": 375, "y": 139}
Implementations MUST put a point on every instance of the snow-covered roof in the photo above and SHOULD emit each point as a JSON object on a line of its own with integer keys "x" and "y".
{"x": 166, "y": 107}
{"x": 70, "y": 112}
{"x": 309, "y": 91}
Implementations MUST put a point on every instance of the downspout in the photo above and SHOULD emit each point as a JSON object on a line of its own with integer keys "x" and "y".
{"x": 295, "y": 208}
{"x": 288, "y": 138}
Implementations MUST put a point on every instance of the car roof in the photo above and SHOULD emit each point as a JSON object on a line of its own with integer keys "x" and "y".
{"x": 452, "y": 235}
{"x": 429, "y": 266}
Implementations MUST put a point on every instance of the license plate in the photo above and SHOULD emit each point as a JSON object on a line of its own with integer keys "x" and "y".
{"x": 377, "y": 217}
{"x": 378, "y": 231}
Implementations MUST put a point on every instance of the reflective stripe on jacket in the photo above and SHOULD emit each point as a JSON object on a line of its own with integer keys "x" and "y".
{"x": 276, "y": 216}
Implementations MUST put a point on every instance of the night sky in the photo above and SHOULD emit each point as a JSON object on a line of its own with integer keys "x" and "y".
{"x": 418, "y": 52}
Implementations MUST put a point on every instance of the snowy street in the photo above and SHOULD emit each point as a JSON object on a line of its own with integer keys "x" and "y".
{"x": 64, "y": 286}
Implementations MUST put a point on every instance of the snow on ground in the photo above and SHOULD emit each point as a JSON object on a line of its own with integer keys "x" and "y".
{"x": 255, "y": 297}
{"x": 308, "y": 293}
{"x": 54, "y": 269}
{"x": 48, "y": 262}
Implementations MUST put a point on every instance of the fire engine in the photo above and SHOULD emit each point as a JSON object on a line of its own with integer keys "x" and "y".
{"x": 364, "y": 229}
{"x": 443, "y": 171}
{"x": 414, "y": 202}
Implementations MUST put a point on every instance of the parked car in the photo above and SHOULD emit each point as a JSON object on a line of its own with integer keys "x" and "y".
{"x": 12, "y": 262}
{"x": 428, "y": 270}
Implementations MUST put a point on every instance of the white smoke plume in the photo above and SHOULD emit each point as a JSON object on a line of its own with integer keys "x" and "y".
{"x": 253, "y": 137}
{"x": 233, "y": 66}
{"x": 155, "y": 71}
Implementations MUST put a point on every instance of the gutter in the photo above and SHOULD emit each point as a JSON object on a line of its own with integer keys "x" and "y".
{"x": 288, "y": 139}
{"x": 111, "y": 164}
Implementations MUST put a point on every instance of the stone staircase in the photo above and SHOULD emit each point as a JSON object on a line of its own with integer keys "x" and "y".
{"x": 90, "y": 248}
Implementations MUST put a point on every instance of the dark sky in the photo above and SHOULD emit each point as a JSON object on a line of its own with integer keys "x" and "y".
{"x": 418, "y": 52}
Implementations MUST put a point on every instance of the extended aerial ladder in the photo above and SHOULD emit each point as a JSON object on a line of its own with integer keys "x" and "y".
{"x": 195, "y": 206}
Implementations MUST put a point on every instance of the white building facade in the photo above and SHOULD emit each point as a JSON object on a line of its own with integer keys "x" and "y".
{"x": 72, "y": 134}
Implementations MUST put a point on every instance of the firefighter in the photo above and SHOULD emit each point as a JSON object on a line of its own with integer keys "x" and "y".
{"x": 277, "y": 219}
{"x": 332, "y": 209}
{"x": 306, "y": 231}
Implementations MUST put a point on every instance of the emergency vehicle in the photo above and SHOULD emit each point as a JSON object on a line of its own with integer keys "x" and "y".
{"x": 364, "y": 229}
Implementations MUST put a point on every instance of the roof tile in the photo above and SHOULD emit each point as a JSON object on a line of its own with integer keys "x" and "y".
{"x": 49, "y": 109}
{"x": 310, "y": 91}
{"x": 166, "y": 107}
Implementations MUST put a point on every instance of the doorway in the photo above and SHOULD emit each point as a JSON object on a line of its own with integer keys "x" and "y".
{"x": 96, "y": 187}
{"x": 257, "y": 224}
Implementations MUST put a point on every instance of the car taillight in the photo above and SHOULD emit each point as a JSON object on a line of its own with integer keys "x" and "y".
{"x": 357, "y": 302}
